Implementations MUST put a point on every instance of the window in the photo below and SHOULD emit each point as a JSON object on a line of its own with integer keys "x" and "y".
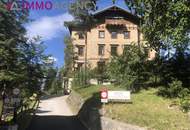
{"x": 101, "y": 50}
{"x": 101, "y": 34}
{"x": 126, "y": 35}
{"x": 113, "y": 35}
{"x": 81, "y": 36}
{"x": 113, "y": 50}
{"x": 80, "y": 50}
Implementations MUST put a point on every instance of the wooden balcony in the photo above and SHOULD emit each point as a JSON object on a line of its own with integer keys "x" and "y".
{"x": 120, "y": 22}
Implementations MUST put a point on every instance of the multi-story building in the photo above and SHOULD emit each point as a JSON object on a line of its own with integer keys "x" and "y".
{"x": 114, "y": 29}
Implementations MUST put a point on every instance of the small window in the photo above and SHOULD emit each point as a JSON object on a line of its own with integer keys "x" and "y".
{"x": 81, "y": 36}
{"x": 114, "y": 50}
{"x": 80, "y": 50}
{"x": 113, "y": 35}
{"x": 101, "y": 50}
{"x": 101, "y": 34}
{"x": 126, "y": 35}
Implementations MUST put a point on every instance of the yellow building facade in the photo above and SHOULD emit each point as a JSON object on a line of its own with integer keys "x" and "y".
{"x": 115, "y": 28}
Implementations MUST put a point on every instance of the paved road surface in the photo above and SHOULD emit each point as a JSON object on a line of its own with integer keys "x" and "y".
{"x": 54, "y": 114}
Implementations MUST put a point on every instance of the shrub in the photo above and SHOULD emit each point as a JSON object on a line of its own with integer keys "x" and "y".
{"x": 82, "y": 78}
{"x": 172, "y": 90}
{"x": 185, "y": 103}
{"x": 128, "y": 69}
{"x": 185, "y": 99}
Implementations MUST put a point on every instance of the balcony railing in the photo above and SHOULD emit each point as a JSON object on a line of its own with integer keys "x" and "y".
{"x": 115, "y": 22}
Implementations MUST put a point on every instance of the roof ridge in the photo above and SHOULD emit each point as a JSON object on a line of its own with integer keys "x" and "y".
{"x": 111, "y": 6}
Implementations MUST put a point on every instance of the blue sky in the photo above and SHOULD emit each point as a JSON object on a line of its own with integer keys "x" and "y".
{"x": 49, "y": 24}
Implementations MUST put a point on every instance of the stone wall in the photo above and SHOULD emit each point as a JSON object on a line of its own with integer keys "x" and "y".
{"x": 75, "y": 101}
{"x": 92, "y": 117}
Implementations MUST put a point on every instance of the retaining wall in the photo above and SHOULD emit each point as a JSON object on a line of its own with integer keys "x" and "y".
{"x": 92, "y": 117}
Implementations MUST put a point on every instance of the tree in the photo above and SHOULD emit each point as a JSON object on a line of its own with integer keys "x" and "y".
{"x": 34, "y": 66}
{"x": 163, "y": 23}
{"x": 21, "y": 60}
{"x": 69, "y": 56}
{"x": 11, "y": 40}
{"x": 50, "y": 77}
{"x": 82, "y": 9}
{"x": 128, "y": 69}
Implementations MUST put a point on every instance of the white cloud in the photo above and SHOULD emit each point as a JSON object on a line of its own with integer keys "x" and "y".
{"x": 48, "y": 27}
{"x": 50, "y": 60}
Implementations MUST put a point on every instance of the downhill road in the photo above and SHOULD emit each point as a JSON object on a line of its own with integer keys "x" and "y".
{"x": 55, "y": 114}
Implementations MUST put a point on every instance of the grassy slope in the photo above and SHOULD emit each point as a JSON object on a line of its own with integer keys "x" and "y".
{"x": 87, "y": 92}
{"x": 147, "y": 109}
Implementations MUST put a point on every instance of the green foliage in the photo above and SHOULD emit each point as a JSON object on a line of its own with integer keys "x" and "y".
{"x": 177, "y": 67}
{"x": 82, "y": 78}
{"x": 22, "y": 60}
{"x": 54, "y": 83}
{"x": 185, "y": 99}
{"x": 172, "y": 90}
{"x": 69, "y": 56}
{"x": 128, "y": 69}
{"x": 185, "y": 103}
{"x": 100, "y": 73}
{"x": 50, "y": 77}
{"x": 163, "y": 22}
{"x": 81, "y": 10}
{"x": 11, "y": 38}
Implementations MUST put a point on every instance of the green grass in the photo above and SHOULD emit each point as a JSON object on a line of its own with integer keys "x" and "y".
{"x": 87, "y": 92}
{"x": 147, "y": 110}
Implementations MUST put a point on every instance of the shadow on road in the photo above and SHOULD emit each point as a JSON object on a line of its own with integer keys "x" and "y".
{"x": 46, "y": 97}
{"x": 40, "y": 111}
{"x": 56, "y": 123}
{"x": 90, "y": 112}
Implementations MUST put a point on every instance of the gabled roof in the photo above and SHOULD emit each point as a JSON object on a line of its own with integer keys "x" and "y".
{"x": 113, "y": 6}
{"x": 98, "y": 14}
